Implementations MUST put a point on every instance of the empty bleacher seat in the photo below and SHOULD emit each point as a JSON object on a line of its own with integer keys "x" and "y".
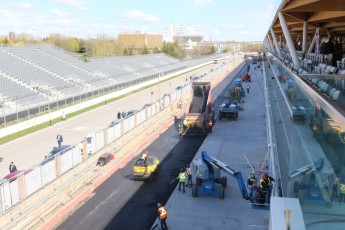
{"x": 335, "y": 95}
{"x": 331, "y": 92}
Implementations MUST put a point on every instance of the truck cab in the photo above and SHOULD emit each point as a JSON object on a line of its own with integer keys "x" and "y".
{"x": 229, "y": 109}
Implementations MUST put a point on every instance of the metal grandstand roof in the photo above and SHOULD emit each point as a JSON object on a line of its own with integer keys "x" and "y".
{"x": 325, "y": 14}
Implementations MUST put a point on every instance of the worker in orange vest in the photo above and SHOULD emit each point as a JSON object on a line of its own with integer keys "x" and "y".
{"x": 162, "y": 215}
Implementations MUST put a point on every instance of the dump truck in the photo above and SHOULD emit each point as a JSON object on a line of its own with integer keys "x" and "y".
{"x": 143, "y": 169}
{"x": 200, "y": 116}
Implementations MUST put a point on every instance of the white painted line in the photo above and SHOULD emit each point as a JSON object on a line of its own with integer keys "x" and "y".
{"x": 257, "y": 226}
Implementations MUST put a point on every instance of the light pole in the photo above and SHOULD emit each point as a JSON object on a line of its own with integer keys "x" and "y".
{"x": 50, "y": 118}
{"x": 3, "y": 111}
{"x": 159, "y": 87}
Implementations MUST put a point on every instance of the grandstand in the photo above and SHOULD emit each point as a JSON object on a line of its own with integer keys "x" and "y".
{"x": 39, "y": 75}
{"x": 315, "y": 64}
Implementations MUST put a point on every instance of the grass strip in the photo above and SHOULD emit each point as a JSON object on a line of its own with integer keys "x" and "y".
{"x": 44, "y": 125}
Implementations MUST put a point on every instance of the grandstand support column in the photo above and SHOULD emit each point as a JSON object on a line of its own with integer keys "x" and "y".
{"x": 304, "y": 41}
{"x": 288, "y": 39}
{"x": 276, "y": 43}
{"x": 270, "y": 43}
{"x": 312, "y": 44}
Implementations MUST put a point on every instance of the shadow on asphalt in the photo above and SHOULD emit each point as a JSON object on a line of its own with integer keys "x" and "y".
{"x": 140, "y": 211}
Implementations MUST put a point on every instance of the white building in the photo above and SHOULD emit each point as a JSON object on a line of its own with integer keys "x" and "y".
{"x": 183, "y": 34}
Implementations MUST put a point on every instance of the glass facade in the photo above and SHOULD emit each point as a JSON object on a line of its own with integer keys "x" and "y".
{"x": 310, "y": 144}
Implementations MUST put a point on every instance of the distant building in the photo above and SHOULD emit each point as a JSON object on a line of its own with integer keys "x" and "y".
{"x": 219, "y": 47}
{"x": 184, "y": 35}
{"x": 140, "y": 40}
{"x": 12, "y": 36}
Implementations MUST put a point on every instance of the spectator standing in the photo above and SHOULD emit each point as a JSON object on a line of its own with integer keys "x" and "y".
{"x": 123, "y": 114}
{"x": 59, "y": 139}
{"x": 337, "y": 56}
{"x": 329, "y": 50}
{"x": 118, "y": 115}
{"x": 12, "y": 167}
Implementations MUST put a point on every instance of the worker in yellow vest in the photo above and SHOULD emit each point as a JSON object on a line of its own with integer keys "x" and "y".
{"x": 182, "y": 180}
{"x": 185, "y": 125}
{"x": 342, "y": 192}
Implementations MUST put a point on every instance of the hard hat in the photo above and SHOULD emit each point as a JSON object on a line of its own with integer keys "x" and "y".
{"x": 264, "y": 176}
{"x": 159, "y": 205}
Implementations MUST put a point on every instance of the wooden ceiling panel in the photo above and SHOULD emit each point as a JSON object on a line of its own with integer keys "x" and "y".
{"x": 326, "y": 14}
{"x": 315, "y": 6}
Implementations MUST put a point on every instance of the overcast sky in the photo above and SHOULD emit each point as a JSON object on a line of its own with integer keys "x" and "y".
{"x": 222, "y": 20}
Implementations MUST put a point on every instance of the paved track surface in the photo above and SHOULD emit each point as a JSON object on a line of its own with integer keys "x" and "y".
{"x": 39, "y": 143}
{"x": 121, "y": 203}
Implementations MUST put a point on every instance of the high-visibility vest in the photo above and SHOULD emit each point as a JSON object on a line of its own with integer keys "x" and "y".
{"x": 163, "y": 214}
{"x": 251, "y": 181}
{"x": 182, "y": 177}
{"x": 342, "y": 188}
{"x": 267, "y": 183}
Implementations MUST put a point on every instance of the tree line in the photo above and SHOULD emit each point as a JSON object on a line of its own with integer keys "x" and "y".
{"x": 104, "y": 46}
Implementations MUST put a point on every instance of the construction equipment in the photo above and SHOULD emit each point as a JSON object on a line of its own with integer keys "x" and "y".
{"x": 282, "y": 78}
{"x": 236, "y": 93}
{"x": 229, "y": 109}
{"x": 246, "y": 76}
{"x": 325, "y": 129}
{"x": 311, "y": 191}
{"x": 307, "y": 169}
{"x": 298, "y": 113}
{"x": 200, "y": 116}
{"x": 207, "y": 173}
{"x": 291, "y": 92}
{"x": 143, "y": 169}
